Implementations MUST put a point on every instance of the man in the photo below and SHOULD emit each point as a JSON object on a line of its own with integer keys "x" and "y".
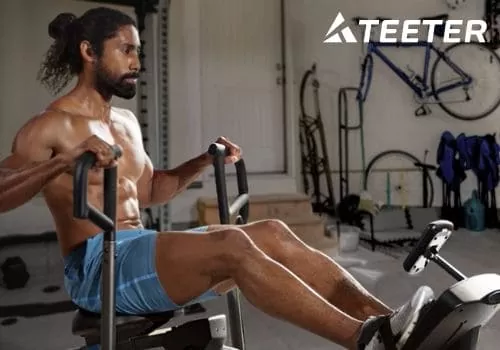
{"x": 274, "y": 270}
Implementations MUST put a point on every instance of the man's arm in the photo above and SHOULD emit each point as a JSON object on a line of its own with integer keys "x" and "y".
{"x": 157, "y": 187}
{"x": 19, "y": 185}
{"x": 30, "y": 167}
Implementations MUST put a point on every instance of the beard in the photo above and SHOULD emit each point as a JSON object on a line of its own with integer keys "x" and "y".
{"x": 119, "y": 87}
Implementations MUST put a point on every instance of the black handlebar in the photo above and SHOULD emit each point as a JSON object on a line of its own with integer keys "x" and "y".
{"x": 106, "y": 221}
{"x": 241, "y": 204}
{"x": 82, "y": 209}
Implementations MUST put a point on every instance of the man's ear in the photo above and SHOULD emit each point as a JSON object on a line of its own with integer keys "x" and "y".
{"x": 87, "y": 51}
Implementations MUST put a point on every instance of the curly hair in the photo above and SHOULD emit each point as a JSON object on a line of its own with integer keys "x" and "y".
{"x": 63, "y": 60}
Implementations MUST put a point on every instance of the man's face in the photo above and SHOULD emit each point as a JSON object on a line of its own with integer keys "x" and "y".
{"x": 117, "y": 70}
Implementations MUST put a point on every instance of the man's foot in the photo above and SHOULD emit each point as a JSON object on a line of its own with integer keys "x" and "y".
{"x": 392, "y": 331}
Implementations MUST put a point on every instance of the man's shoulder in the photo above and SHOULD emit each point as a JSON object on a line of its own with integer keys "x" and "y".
{"x": 47, "y": 123}
{"x": 43, "y": 119}
{"x": 40, "y": 128}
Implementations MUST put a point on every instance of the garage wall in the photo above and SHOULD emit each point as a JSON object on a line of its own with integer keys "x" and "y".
{"x": 389, "y": 110}
{"x": 307, "y": 22}
{"x": 190, "y": 129}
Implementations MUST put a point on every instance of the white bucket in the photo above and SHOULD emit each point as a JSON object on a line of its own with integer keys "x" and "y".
{"x": 348, "y": 237}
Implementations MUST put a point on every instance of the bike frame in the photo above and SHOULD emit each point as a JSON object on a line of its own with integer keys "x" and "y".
{"x": 423, "y": 90}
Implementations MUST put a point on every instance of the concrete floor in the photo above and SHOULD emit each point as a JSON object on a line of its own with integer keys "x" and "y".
{"x": 382, "y": 274}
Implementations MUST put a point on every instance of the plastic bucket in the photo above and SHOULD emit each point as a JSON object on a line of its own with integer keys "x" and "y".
{"x": 347, "y": 237}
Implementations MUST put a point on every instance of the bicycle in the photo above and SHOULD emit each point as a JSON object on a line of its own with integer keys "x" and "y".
{"x": 428, "y": 84}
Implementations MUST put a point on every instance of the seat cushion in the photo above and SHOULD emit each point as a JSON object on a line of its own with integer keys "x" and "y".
{"x": 86, "y": 323}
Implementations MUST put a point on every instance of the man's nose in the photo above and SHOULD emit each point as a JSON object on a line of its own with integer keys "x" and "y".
{"x": 135, "y": 64}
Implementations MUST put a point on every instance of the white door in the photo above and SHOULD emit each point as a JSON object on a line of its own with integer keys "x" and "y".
{"x": 241, "y": 56}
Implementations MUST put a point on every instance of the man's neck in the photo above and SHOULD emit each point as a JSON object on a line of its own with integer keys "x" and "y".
{"x": 91, "y": 101}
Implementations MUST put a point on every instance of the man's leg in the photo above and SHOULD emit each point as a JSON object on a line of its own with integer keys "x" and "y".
{"x": 315, "y": 268}
{"x": 188, "y": 265}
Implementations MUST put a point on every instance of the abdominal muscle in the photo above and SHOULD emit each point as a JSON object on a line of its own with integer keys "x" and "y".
{"x": 72, "y": 231}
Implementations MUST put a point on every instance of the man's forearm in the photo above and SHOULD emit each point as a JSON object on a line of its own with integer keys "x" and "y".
{"x": 166, "y": 184}
{"x": 18, "y": 186}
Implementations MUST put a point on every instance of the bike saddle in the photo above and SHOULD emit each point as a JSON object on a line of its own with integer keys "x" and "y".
{"x": 440, "y": 17}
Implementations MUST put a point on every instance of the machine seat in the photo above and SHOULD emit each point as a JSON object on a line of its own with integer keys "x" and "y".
{"x": 88, "y": 324}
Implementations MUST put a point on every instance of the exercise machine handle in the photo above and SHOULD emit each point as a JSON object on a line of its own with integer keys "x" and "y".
{"x": 241, "y": 204}
{"x": 106, "y": 221}
{"x": 82, "y": 209}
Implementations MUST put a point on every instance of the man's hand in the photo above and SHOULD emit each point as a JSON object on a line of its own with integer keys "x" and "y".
{"x": 103, "y": 151}
{"x": 234, "y": 151}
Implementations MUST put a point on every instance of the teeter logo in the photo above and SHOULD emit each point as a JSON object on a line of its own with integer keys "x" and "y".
{"x": 391, "y": 31}
{"x": 332, "y": 37}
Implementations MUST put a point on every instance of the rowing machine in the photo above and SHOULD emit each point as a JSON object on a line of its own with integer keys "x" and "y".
{"x": 454, "y": 320}
{"x": 126, "y": 332}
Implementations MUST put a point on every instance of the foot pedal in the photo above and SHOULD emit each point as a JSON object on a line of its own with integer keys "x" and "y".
{"x": 423, "y": 297}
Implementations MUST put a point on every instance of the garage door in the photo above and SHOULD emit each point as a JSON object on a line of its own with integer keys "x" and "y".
{"x": 242, "y": 98}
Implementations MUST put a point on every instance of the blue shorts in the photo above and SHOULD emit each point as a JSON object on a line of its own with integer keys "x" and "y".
{"x": 138, "y": 288}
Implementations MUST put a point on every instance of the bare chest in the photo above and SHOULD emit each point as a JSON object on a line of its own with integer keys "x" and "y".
{"x": 120, "y": 131}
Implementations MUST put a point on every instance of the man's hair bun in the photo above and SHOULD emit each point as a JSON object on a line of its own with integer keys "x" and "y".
{"x": 59, "y": 25}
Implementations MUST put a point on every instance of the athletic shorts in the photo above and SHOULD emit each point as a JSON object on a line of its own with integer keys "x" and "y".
{"x": 138, "y": 288}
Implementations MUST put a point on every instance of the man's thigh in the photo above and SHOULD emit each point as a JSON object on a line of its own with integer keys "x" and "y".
{"x": 140, "y": 281}
{"x": 138, "y": 286}
{"x": 193, "y": 262}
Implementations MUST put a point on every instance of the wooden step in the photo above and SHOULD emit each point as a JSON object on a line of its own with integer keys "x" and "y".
{"x": 294, "y": 209}
{"x": 312, "y": 232}
{"x": 267, "y": 198}
{"x": 272, "y": 206}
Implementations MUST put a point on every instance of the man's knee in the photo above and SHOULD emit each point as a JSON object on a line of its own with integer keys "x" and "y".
{"x": 278, "y": 231}
{"x": 236, "y": 245}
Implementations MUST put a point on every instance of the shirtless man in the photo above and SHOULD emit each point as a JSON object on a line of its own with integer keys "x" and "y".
{"x": 274, "y": 270}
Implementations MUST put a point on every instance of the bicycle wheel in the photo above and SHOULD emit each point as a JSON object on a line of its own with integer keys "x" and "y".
{"x": 464, "y": 81}
{"x": 366, "y": 77}
{"x": 393, "y": 178}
